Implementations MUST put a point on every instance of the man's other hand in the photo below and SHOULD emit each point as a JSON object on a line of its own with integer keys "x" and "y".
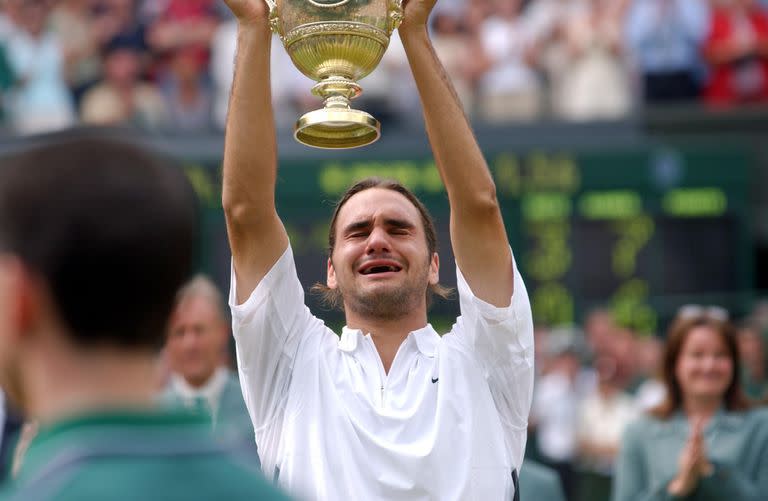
{"x": 249, "y": 11}
{"x": 416, "y": 14}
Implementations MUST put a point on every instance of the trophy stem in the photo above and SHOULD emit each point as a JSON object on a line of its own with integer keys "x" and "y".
{"x": 337, "y": 125}
{"x": 337, "y": 86}
{"x": 337, "y": 103}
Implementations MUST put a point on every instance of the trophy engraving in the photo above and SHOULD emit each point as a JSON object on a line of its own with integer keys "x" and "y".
{"x": 336, "y": 43}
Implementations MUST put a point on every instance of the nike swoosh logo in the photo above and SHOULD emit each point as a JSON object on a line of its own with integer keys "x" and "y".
{"x": 434, "y": 379}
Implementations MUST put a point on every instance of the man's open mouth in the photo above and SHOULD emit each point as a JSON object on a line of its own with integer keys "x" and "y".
{"x": 377, "y": 267}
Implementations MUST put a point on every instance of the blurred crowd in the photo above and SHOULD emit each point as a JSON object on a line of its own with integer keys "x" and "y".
{"x": 595, "y": 379}
{"x": 167, "y": 64}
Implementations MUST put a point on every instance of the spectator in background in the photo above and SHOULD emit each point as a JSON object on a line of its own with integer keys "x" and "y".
{"x": 509, "y": 88}
{"x": 737, "y": 52}
{"x": 650, "y": 391}
{"x": 80, "y": 361}
{"x": 290, "y": 88}
{"x": 39, "y": 101}
{"x": 196, "y": 350}
{"x": 759, "y": 315}
{"x": 602, "y": 416}
{"x": 457, "y": 49}
{"x": 624, "y": 350}
{"x": 703, "y": 441}
{"x": 600, "y": 330}
{"x": 187, "y": 94}
{"x": 123, "y": 98}
{"x": 754, "y": 375}
{"x": 556, "y": 400}
{"x": 187, "y": 25}
{"x": 594, "y": 82}
{"x": 543, "y": 18}
{"x": 394, "y": 85}
{"x": 664, "y": 38}
{"x": 545, "y": 22}
{"x": 118, "y": 19}
{"x": 73, "y": 24}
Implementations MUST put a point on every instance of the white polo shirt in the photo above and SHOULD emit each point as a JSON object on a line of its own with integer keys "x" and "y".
{"x": 447, "y": 423}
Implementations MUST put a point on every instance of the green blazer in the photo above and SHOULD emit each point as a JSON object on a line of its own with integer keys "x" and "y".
{"x": 539, "y": 483}
{"x": 136, "y": 455}
{"x": 737, "y": 446}
{"x": 231, "y": 420}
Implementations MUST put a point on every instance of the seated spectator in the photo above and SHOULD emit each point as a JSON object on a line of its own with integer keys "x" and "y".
{"x": 545, "y": 21}
{"x": 737, "y": 52}
{"x": 602, "y": 416}
{"x": 184, "y": 24}
{"x": 703, "y": 441}
{"x": 752, "y": 351}
{"x": 543, "y": 18}
{"x": 196, "y": 350}
{"x": 123, "y": 98}
{"x": 39, "y": 101}
{"x": 556, "y": 400}
{"x": 72, "y": 22}
{"x": 650, "y": 391}
{"x": 118, "y": 18}
{"x": 456, "y": 48}
{"x": 80, "y": 361}
{"x": 187, "y": 94}
{"x": 601, "y": 331}
{"x": 593, "y": 84}
{"x": 509, "y": 88}
{"x": 400, "y": 94}
{"x": 664, "y": 38}
{"x": 290, "y": 88}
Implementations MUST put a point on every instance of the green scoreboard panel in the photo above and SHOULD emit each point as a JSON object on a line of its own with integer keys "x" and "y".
{"x": 641, "y": 231}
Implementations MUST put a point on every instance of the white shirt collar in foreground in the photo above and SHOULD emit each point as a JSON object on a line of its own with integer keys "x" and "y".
{"x": 426, "y": 339}
{"x": 211, "y": 390}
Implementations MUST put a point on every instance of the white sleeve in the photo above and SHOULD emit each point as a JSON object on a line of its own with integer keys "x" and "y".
{"x": 501, "y": 341}
{"x": 268, "y": 329}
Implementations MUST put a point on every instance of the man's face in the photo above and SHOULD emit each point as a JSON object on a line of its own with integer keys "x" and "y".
{"x": 196, "y": 340}
{"x": 381, "y": 263}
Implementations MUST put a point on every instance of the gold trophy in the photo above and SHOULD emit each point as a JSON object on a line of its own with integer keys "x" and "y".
{"x": 336, "y": 43}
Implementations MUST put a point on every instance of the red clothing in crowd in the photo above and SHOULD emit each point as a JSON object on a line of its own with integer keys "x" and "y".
{"x": 191, "y": 11}
{"x": 743, "y": 79}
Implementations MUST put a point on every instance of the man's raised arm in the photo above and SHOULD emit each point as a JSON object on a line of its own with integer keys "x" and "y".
{"x": 256, "y": 234}
{"x": 478, "y": 236}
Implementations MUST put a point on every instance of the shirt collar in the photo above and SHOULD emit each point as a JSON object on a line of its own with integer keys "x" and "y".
{"x": 426, "y": 340}
{"x": 211, "y": 390}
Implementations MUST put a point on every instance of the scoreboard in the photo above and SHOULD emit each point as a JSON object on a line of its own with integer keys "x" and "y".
{"x": 640, "y": 230}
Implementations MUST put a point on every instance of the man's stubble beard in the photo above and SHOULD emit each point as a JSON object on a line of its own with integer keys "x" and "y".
{"x": 388, "y": 304}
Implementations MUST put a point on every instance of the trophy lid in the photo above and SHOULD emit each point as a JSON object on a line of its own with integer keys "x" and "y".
{"x": 337, "y": 129}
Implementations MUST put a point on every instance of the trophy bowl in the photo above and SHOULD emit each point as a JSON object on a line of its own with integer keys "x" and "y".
{"x": 336, "y": 43}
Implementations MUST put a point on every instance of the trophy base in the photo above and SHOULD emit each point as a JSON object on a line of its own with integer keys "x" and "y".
{"x": 337, "y": 129}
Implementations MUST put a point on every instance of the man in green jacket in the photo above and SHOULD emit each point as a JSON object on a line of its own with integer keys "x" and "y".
{"x": 197, "y": 356}
{"x": 96, "y": 236}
